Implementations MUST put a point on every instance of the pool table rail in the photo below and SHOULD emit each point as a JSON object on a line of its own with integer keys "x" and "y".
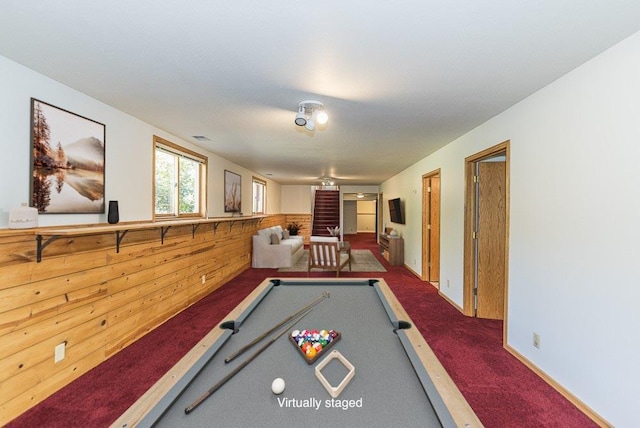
{"x": 145, "y": 406}
{"x": 431, "y": 368}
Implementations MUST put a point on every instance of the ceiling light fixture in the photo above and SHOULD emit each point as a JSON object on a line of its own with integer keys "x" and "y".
{"x": 328, "y": 181}
{"x": 301, "y": 120}
{"x": 311, "y": 112}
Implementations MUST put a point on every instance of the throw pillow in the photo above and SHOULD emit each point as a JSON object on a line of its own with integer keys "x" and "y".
{"x": 275, "y": 239}
{"x": 285, "y": 234}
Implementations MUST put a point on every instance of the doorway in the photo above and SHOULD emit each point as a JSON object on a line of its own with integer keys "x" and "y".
{"x": 431, "y": 227}
{"x": 486, "y": 233}
{"x": 360, "y": 213}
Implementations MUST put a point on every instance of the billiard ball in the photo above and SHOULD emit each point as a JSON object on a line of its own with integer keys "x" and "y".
{"x": 277, "y": 386}
{"x": 311, "y": 352}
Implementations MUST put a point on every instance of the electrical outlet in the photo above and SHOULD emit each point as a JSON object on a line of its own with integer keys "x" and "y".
{"x": 204, "y": 278}
{"x": 58, "y": 352}
{"x": 536, "y": 340}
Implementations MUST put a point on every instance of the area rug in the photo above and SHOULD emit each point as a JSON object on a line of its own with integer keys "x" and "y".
{"x": 361, "y": 261}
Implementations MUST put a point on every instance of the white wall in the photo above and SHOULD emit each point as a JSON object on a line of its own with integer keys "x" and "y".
{"x": 295, "y": 199}
{"x": 128, "y": 152}
{"x": 349, "y": 217}
{"x": 359, "y": 189}
{"x": 574, "y": 227}
{"x": 217, "y": 166}
{"x": 366, "y": 216}
{"x": 350, "y": 221}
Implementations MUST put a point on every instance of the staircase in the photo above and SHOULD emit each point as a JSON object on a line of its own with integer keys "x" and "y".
{"x": 326, "y": 212}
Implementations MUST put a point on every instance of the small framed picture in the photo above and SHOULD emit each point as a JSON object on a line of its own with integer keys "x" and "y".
{"x": 232, "y": 192}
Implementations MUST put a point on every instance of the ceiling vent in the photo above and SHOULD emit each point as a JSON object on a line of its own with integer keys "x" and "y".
{"x": 201, "y": 138}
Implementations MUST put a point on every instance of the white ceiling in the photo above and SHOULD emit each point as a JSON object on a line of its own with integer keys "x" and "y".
{"x": 398, "y": 79}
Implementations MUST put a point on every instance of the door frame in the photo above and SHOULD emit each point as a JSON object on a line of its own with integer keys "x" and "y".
{"x": 380, "y": 223}
{"x": 426, "y": 217}
{"x": 469, "y": 221}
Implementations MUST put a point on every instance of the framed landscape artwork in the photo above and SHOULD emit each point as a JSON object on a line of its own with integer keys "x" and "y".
{"x": 67, "y": 161}
{"x": 232, "y": 192}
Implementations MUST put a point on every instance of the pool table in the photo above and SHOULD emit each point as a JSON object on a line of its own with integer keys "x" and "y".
{"x": 398, "y": 381}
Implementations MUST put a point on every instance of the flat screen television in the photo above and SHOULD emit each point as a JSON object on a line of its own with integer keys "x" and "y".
{"x": 395, "y": 210}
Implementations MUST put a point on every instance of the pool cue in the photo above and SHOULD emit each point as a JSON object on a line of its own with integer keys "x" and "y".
{"x": 242, "y": 365}
{"x": 274, "y": 328}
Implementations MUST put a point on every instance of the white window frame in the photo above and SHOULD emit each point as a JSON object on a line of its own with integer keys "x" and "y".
{"x": 257, "y": 181}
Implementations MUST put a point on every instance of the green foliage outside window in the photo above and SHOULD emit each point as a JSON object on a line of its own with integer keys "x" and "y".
{"x": 178, "y": 181}
{"x": 165, "y": 182}
{"x": 188, "y": 188}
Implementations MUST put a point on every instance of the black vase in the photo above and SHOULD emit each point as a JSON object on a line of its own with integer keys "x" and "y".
{"x": 113, "y": 216}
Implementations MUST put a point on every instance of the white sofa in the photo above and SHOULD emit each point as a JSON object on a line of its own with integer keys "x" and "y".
{"x": 273, "y": 248}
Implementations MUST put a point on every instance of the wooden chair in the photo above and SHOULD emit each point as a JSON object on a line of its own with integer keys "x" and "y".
{"x": 324, "y": 253}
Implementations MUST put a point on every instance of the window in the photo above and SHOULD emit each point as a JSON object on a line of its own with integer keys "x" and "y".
{"x": 259, "y": 196}
{"x": 180, "y": 184}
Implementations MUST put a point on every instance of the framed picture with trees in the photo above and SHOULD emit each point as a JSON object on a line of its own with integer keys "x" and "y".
{"x": 67, "y": 161}
{"x": 232, "y": 192}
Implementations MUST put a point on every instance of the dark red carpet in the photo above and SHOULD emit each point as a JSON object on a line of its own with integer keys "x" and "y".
{"x": 502, "y": 391}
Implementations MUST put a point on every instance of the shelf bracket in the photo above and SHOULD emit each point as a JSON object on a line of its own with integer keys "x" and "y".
{"x": 231, "y": 225}
{"x": 253, "y": 221}
{"x": 42, "y": 246}
{"x": 119, "y": 237}
{"x": 194, "y": 227}
{"x": 215, "y": 227}
{"x": 163, "y": 233}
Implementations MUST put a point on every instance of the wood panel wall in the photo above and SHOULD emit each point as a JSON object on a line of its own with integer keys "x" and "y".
{"x": 98, "y": 301}
{"x": 302, "y": 219}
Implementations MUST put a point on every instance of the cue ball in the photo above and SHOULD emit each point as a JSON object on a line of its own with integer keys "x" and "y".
{"x": 277, "y": 386}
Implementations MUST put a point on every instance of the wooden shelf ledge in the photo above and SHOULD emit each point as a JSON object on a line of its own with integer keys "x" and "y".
{"x": 121, "y": 230}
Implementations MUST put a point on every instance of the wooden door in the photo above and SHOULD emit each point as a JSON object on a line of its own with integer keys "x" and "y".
{"x": 491, "y": 238}
{"x": 434, "y": 230}
{"x": 431, "y": 227}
